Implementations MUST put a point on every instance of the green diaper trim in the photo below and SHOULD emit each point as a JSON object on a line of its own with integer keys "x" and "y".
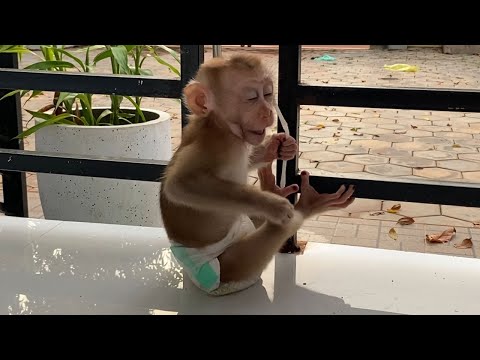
{"x": 205, "y": 275}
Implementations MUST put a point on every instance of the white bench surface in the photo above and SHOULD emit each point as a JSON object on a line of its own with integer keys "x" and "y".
{"x": 56, "y": 267}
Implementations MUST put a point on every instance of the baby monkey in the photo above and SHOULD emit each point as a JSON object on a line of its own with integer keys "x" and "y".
{"x": 208, "y": 208}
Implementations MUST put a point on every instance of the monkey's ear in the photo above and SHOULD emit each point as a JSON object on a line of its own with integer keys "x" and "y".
{"x": 197, "y": 99}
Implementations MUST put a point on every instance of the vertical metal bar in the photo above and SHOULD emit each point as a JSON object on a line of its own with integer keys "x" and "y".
{"x": 14, "y": 183}
{"x": 288, "y": 82}
{"x": 217, "y": 50}
{"x": 192, "y": 57}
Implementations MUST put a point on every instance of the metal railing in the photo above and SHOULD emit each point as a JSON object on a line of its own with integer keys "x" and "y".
{"x": 291, "y": 94}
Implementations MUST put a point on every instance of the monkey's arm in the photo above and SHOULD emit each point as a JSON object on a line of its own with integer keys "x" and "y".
{"x": 257, "y": 156}
{"x": 206, "y": 191}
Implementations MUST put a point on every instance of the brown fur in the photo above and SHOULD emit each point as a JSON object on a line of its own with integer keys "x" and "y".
{"x": 205, "y": 188}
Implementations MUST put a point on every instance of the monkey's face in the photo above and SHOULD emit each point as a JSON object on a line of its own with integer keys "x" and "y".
{"x": 249, "y": 107}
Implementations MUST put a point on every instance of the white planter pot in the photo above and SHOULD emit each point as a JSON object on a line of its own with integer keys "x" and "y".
{"x": 78, "y": 198}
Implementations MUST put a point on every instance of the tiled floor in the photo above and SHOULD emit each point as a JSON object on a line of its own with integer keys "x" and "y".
{"x": 371, "y": 143}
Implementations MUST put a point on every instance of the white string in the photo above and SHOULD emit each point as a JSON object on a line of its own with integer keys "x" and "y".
{"x": 284, "y": 124}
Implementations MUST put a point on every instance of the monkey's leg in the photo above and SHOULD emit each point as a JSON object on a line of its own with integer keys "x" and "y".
{"x": 249, "y": 256}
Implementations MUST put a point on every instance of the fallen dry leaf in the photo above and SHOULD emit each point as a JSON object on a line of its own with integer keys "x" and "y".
{"x": 466, "y": 244}
{"x": 400, "y": 132}
{"x": 476, "y": 224}
{"x": 335, "y": 120}
{"x": 376, "y": 135}
{"x": 377, "y": 213}
{"x": 394, "y": 209}
{"x": 456, "y": 146}
{"x": 393, "y": 234}
{"x": 449, "y": 124}
{"x": 354, "y": 129}
{"x": 443, "y": 237}
{"x": 406, "y": 220}
{"x": 358, "y": 134}
{"x": 413, "y": 126}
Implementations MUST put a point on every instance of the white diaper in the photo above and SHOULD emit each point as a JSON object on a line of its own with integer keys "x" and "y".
{"x": 202, "y": 265}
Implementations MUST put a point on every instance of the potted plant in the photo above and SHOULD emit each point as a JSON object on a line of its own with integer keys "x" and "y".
{"x": 72, "y": 124}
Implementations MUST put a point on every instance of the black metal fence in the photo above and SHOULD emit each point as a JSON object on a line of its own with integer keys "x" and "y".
{"x": 292, "y": 94}
{"x": 14, "y": 161}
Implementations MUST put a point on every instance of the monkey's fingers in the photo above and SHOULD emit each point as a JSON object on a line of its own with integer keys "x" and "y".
{"x": 343, "y": 198}
{"x": 265, "y": 171}
{"x": 288, "y": 141}
{"x": 288, "y": 190}
{"x": 305, "y": 184}
{"x": 348, "y": 203}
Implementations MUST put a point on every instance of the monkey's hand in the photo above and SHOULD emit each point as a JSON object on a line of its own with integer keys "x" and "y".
{"x": 280, "y": 146}
{"x": 277, "y": 210}
{"x": 311, "y": 202}
{"x": 267, "y": 183}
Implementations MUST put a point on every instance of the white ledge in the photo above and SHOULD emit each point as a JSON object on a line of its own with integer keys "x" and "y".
{"x": 55, "y": 267}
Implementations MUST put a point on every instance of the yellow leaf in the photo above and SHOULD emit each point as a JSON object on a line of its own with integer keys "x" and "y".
{"x": 402, "y": 67}
{"x": 393, "y": 234}
{"x": 394, "y": 209}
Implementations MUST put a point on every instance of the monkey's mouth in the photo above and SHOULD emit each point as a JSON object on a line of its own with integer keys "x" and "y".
{"x": 258, "y": 132}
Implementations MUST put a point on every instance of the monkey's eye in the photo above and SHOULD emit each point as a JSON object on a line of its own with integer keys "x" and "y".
{"x": 267, "y": 95}
{"x": 253, "y": 98}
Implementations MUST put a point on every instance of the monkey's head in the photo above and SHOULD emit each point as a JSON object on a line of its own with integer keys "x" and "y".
{"x": 237, "y": 93}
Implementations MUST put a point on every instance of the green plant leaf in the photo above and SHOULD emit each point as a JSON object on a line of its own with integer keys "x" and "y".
{"x": 147, "y": 72}
{"x": 120, "y": 54}
{"x": 130, "y": 47}
{"x": 122, "y": 118}
{"x": 82, "y": 119}
{"x": 35, "y": 93}
{"x": 103, "y": 55}
{"x": 126, "y": 115}
{"x": 163, "y": 62}
{"x": 48, "y": 65}
{"x": 66, "y": 122}
{"x": 52, "y": 119}
{"x": 172, "y": 52}
{"x": 91, "y": 47}
{"x": 87, "y": 108}
{"x": 15, "y": 49}
{"x": 78, "y": 61}
{"x": 47, "y": 53}
{"x": 65, "y": 96}
{"x": 10, "y": 93}
{"x": 103, "y": 114}
{"x": 140, "y": 112}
